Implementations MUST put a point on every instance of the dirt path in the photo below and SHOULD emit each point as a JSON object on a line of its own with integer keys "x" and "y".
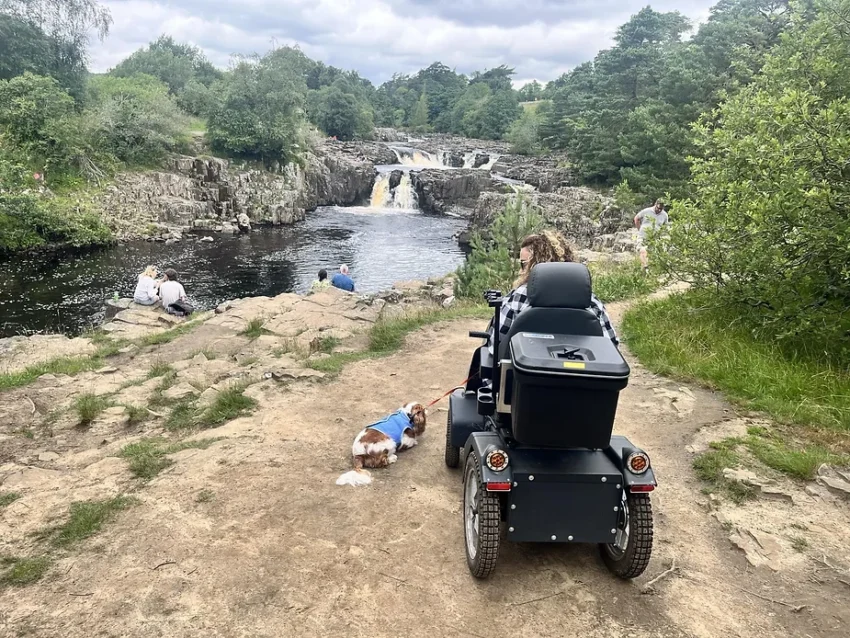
{"x": 280, "y": 550}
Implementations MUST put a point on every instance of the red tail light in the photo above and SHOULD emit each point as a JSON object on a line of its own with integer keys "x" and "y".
{"x": 641, "y": 488}
{"x": 499, "y": 487}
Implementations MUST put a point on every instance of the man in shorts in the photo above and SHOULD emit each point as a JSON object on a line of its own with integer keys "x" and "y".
{"x": 653, "y": 217}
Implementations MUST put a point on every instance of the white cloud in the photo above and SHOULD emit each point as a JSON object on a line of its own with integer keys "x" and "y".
{"x": 540, "y": 38}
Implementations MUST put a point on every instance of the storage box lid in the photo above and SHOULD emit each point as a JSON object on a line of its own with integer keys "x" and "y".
{"x": 567, "y": 354}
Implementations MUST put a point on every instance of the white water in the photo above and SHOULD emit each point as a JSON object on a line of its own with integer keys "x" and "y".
{"x": 401, "y": 197}
{"x": 415, "y": 157}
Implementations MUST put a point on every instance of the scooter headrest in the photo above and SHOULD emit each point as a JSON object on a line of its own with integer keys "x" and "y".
{"x": 559, "y": 285}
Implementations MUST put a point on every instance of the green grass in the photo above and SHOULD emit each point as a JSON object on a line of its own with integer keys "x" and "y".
{"x": 799, "y": 543}
{"x": 328, "y": 344}
{"x": 182, "y": 416}
{"x": 205, "y": 496}
{"x": 255, "y": 329}
{"x": 228, "y": 404}
{"x": 23, "y": 571}
{"x": 618, "y": 282}
{"x": 70, "y": 366}
{"x": 798, "y": 459}
{"x": 387, "y": 336}
{"x": 85, "y": 519}
{"x": 681, "y": 337}
{"x": 7, "y": 498}
{"x": 148, "y": 457}
{"x": 159, "y": 369}
{"x": 136, "y": 414}
{"x": 709, "y": 467}
{"x": 88, "y": 407}
{"x": 73, "y": 366}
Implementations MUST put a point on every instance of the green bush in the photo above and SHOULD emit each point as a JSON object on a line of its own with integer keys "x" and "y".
{"x": 494, "y": 261}
{"x": 768, "y": 227}
{"x": 524, "y": 134}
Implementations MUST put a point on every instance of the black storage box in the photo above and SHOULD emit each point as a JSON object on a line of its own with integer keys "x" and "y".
{"x": 565, "y": 389}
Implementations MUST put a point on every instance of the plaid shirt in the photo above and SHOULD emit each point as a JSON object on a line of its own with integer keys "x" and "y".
{"x": 517, "y": 301}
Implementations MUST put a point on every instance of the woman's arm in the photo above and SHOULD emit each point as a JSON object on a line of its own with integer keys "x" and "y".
{"x": 607, "y": 328}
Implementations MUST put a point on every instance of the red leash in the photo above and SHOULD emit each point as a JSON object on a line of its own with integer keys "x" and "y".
{"x": 463, "y": 383}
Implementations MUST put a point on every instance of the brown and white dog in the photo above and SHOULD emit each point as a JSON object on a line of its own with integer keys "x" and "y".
{"x": 376, "y": 445}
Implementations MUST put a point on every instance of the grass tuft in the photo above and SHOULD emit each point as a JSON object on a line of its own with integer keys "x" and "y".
{"x": 23, "y": 571}
{"x": 228, "y": 404}
{"x": 182, "y": 415}
{"x": 88, "y": 407}
{"x": 255, "y": 329}
{"x": 160, "y": 369}
{"x": 87, "y": 518}
{"x": 709, "y": 467}
{"x": 7, "y": 498}
{"x": 205, "y": 496}
{"x": 136, "y": 414}
{"x": 148, "y": 457}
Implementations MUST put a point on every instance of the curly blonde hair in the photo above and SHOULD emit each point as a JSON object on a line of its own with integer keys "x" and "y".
{"x": 150, "y": 271}
{"x": 547, "y": 246}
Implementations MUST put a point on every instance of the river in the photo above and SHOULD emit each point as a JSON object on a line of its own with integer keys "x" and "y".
{"x": 65, "y": 293}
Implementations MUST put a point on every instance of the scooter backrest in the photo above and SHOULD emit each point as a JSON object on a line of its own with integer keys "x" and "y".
{"x": 559, "y": 296}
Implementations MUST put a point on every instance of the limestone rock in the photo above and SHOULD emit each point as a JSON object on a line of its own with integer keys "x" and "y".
{"x": 179, "y": 391}
{"x": 17, "y": 353}
{"x": 835, "y": 480}
{"x": 438, "y": 190}
{"x": 46, "y": 457}
{"x": 760, "y": 548}
{"x": 207, "y": 239}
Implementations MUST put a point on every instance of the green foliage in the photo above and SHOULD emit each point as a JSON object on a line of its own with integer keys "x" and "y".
{"x": 23, "y": 571}
{"x": 419, "y": 118}
{"x": 627, "y": 114}
{"x": 768, "y": 226}
{"x": 88, "y": 407}
{"x": 254, "y": 329}
{"x": 259, "y": 111}
{"x": 524, "y": 134}
{"x": 531, "y": 91}
{"x": 692, "y": 336}
{"x": 86, "y": 518}
{"x": 148, "y": 457}
{"x": 340, "y": 111}
{"x": 494, "y": 261}
{"x": 181, "y": 67}
{"x": 133, "y": 118}
{"x": 228, "y": 404}
{"x": 617, "y": 282}
{"x": 7, "y": 498}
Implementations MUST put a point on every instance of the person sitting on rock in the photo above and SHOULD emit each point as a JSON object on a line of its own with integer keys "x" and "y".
{"x": 147, "y": 288}
{"x": 173, "y": 295}
{"x": 322, "y": 282}
{"x": 342, "y": 280}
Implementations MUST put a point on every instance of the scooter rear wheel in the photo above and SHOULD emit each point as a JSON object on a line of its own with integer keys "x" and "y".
{"x": 628, "y": 556}
{"x": 452, "y": 452}
{"x": 482, "y": 518}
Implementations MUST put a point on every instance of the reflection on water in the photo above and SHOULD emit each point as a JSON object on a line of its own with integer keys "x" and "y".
{"x": 66, "y": 293}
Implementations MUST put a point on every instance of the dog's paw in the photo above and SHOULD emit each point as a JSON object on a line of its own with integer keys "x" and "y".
{"x": 392, "y": 458}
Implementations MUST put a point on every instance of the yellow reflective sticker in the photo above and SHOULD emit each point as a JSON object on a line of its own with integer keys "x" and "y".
{"x": 576, "y": 365}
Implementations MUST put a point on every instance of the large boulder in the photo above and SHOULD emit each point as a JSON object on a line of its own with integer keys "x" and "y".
{"x": 575, "y": 212}
{"x": 437, "y": 190}
{"x": 546, "y": 174}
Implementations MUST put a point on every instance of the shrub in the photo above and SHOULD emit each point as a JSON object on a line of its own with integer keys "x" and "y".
{"x": 493, "y": 262}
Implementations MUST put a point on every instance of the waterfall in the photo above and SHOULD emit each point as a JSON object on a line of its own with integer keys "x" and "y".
{"x": 469, "y": 159}
{"x": 415, "y": 157}
{"x": 489, "y": 165}
{"x": 401, "y": 197}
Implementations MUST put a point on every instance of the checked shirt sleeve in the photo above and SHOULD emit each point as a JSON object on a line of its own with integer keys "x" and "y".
{"x": 599, "y": 310}
{"x": 513, "y": 304}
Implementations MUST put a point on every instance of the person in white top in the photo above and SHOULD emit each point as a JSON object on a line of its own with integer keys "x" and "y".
{"x": 652, "y": 217}
{"x": 171, "y": 291}
{"x": 146, "y": 289}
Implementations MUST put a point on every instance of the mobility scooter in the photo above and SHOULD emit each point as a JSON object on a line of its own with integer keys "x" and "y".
{"x": 533, "y": 433}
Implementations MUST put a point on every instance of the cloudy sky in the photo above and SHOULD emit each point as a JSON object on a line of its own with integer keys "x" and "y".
{"x": 540, "y": 38}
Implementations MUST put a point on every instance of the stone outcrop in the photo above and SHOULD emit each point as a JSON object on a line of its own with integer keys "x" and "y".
{"x": 546, "y": 174}
{"x": 211, "y": 193}
{"x": 438, "y": 191}
{"x": 576, "y": 212}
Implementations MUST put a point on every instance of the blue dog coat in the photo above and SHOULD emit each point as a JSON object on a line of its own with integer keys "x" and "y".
{"x": 393, "y": 426}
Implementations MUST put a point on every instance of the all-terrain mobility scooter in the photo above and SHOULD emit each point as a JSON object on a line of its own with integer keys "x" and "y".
{"x": 533, "y": 433}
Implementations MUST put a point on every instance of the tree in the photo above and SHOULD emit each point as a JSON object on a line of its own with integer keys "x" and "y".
{"x": 419, "y": 119}
{"x": 524, "y": 134}
{"x": 531, "y": 91}
{"x": 59, "y": 33}
{"x": 768, "y": 227}
{"x": 179, "y": 66}
{"x": 259, "y": 111}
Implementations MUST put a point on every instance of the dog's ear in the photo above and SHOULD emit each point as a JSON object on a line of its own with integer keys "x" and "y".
{"x": 418, "y": 418}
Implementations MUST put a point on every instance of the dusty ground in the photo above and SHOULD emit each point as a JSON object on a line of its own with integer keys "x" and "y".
{"x": 280, "y": 550}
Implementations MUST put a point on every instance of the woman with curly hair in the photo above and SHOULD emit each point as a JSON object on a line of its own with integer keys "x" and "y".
{"x": 537, "y": 249}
